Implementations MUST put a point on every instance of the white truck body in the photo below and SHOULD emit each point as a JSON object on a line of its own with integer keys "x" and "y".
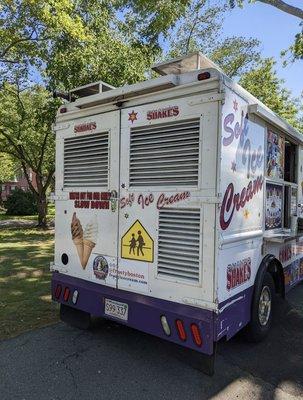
{"x": 171, "y": 187}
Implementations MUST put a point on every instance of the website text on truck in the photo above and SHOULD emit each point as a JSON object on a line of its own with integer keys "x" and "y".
{"x": 178, "y": 206}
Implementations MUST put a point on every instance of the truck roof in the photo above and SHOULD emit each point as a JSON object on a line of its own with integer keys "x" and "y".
{"x": 175, "y": 73}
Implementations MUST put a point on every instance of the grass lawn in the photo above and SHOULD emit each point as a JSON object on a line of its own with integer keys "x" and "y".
{"x": 50, "y": 215}
{"x": 4, "y": 217}
{"x": 25, "y": 301}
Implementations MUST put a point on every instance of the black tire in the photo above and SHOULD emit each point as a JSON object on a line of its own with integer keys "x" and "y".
{"x": 260, "y": 325}
{"x": 77, "y": 318}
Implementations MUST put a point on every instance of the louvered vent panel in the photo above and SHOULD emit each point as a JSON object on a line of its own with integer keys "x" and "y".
{"x": 86, "y": 161}
{"x": 165, "y": 155}
{"x": 179, "y": 244}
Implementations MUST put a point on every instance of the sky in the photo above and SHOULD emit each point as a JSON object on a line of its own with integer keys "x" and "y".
{"x": 275, "y": 30}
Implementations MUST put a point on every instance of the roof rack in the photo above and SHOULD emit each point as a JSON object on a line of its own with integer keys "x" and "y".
{"x": 90, "y": 89}
{"x": 186, "y": 63}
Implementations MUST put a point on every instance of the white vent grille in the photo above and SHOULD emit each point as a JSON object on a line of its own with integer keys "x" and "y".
{"x": 179, "y": 244}
{"x": 86, "y": 161}
{"x": 165, "y": 155}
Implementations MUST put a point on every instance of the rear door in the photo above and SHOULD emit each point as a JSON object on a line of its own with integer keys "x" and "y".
{"x": 87, "y": 182}
{"x": 167, "y": 211}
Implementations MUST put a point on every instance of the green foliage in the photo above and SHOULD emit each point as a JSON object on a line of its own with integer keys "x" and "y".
{"x": 297, "y": 48}
{"x": 25, "y": 126}
{"x": 264, "y": 84}
{"x": 111, "y": 53}
{"x": 197, "y": 29}
{"x": 200, "y": 29}
{"x": 146, "y": 20}
{"x": 28, "y": 28}
{"x": 236, "y": 55}
{"x": 26, "y": 117}
{"x": 149, "y": 18}
{"x": 21, "y": 203}
{"x": 70, "y": 43}
{"x": 7, "y": 167}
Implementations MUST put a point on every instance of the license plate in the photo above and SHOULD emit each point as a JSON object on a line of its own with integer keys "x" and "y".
{"x": 116, "y": 309}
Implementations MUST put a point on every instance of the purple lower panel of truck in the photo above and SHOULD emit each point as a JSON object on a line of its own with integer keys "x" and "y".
{"x": 234, "y": 314}
{"x": 144, "y": 312}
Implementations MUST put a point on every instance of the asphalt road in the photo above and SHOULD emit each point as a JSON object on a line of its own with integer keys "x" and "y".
{"x": 115, "y": 362}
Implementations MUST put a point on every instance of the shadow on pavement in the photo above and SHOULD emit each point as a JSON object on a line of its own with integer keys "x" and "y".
{"x": 279, "y": 359}
{"x": 115, "y": 362}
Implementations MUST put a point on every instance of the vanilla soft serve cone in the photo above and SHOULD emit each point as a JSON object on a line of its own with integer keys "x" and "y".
{"x": 77, "y": 235}
{"x": 89, "y": 241}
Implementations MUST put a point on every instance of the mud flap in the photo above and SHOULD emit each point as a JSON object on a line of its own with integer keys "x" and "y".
{"x": 77, "y": 318}
{"x": 202, "y": 362}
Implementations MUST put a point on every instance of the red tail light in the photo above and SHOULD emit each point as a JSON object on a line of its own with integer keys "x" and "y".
{"x": 66, "y": 294}
{"x": 196, "y": 334}
{"x": 203, "y": 75}
{"x": 181, "y": 330}
{"x": 58, "y": 291}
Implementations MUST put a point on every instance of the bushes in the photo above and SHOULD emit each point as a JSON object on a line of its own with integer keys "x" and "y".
{"x": 21, "y": 203}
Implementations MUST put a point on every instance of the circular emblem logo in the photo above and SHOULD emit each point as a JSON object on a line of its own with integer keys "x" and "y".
{"x": 100, "y": 267}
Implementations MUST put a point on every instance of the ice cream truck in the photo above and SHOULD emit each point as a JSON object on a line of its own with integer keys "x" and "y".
{"x": 178, "y": 206}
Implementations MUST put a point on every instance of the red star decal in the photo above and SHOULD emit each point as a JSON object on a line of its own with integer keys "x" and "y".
{"x": 132, "y": 116}
{"x": 235, "y": 105}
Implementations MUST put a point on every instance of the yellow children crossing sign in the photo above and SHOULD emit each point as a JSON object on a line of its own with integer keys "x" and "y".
{"x": 137, "y": 244}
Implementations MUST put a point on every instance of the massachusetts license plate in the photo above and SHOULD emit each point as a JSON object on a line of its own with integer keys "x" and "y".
{"x": 116, "y": 309}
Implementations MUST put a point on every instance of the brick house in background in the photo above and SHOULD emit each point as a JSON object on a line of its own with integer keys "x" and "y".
{"x": 19, "y": 181}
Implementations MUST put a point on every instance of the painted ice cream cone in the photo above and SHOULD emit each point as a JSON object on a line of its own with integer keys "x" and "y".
{"x": 89, "y": 241}
{"x": 77, "y": 235}
{"x": 79, "y": 246}
{"x": 88, "y": 246}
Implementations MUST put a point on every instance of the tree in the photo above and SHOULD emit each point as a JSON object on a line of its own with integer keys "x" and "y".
{"x": 236, "y": 55}
{"x": 297, "y": 48}
{"x": 200, "y": 29}
{"x": 150, "y": 18}
{"x": 197, "y": 29}
{"x": 60, "y": 43}
{"x": 70, "y": 43}
{"x": 279, "y": 4}
{"x": 26, "y": 117}
{"x": 20, "y": 202}
{"x": 264, "y": 84}
{"x": 8, "y": 167}
{"x": 7, "y": 170}
{"x": 28, "y": 29}
{"x": 111, "y": 54}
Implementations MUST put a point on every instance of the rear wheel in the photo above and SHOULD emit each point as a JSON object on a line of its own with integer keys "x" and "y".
{"x": 262, "y": 308}
{"x": 77, "y": 318}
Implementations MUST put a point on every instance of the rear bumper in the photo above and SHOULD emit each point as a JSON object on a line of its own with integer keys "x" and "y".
{"x": 144, "y": 311}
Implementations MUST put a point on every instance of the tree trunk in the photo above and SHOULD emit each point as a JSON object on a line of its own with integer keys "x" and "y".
{"x": 287, "y": 8}
{"x": 39, "y": 193}
{"x": 42, "y": 210}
